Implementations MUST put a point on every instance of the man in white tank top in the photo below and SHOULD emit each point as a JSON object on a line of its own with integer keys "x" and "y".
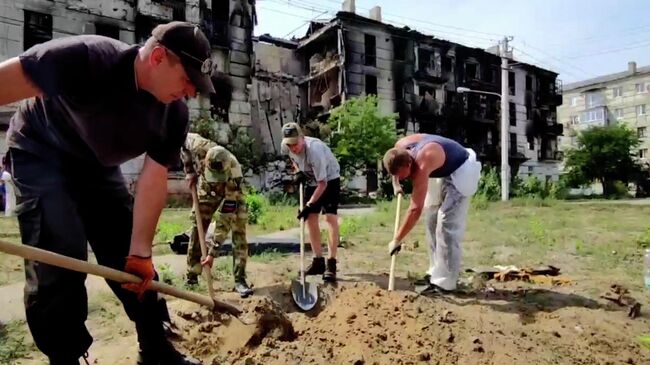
{"x": 442, "y": 189}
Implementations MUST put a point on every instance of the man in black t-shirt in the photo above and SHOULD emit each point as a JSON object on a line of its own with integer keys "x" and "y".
{"x": 91, "y": 103}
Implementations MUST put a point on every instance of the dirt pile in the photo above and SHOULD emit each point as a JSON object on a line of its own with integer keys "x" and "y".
{"x": 364, "y": 324}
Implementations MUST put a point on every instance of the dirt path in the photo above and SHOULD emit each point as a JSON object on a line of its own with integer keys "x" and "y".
{"x": 11, "y": 296}
{"x": 358, "y": 322}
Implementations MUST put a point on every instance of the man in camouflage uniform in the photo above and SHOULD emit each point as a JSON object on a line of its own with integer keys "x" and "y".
{"x": 219, "y": 180}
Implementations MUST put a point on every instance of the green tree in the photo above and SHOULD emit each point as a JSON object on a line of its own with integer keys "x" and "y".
{"x": 240, "y": 142}
{"x": 603, "y": 154}
{"x": 365, "y": 135}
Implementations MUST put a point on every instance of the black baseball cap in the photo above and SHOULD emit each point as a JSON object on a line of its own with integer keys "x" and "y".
{"x": 189, "y": 43}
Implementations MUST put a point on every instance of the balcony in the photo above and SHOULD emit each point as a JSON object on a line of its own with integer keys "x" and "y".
{"x": 555, "y": 129}
{"x": 551, "y": 94}
{"x": 430, "y": 77}
{"x": 550, "y": 155}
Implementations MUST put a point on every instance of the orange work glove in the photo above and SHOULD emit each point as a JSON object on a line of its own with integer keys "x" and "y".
{"x": 143, "y": 268}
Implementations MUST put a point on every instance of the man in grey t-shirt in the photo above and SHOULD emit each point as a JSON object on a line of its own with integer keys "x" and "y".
{"x": 319, "y": 169}
{"x": 90, "y": 104}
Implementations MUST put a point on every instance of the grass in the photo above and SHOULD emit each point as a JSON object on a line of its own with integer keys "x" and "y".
{"x": 15, "y": 342}
{"x": 594, "y": 243}
{"x": 175, "y": 221}
{"x": 11, "y": 267}
{"x": 276, "y": 218}
{"x": 591, "y": 241}
{"x": 267, "y": 257}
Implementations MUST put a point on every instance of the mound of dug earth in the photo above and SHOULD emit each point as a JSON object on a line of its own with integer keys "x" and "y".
{"x": 364, "y": 324}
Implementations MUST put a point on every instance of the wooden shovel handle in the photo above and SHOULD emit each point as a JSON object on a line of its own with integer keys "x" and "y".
{"x": 391, "y": 276}
{"x": 207, "y": 271}
{"x": 55, "y": 259}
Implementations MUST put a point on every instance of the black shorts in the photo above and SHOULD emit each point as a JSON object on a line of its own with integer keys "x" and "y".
{"x": 329, "y": 200}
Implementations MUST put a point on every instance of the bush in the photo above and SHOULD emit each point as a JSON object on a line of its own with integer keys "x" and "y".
{"x": 206, "y": 127}
{"x": 619, "y": 191}
{"x": 489, "y": 186}
{"x": 559, "y": 189}
{"x": 246, "y": 149}
{"x": 532, "y": 187}
{"x": 257, "y": 206}
{"x": 282, "y": 198}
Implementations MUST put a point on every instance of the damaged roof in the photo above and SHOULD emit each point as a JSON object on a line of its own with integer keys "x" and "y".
{"x": 318, "y": 28}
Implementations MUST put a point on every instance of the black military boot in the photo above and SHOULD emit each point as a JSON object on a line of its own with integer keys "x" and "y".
{"x": 317, "y": 266}
{"x": 242, "y": 288}
{"x": 191, "y": 279}
{"x": 165, "y": 355}
{"x": 330, "y": 272}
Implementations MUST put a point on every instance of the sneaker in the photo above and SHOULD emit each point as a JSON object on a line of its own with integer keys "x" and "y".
{"x": 317, "y": 266}
{"x": 243, "y": 289}
{"x": 330, "y": 272}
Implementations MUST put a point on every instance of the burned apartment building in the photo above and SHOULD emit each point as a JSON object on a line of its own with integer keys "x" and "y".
{"x": 414, "y": 75}
{"x": 227, "y": 23}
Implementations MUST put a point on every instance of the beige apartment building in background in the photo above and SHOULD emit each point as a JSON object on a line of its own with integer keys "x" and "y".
{"x": 618, "y": 98}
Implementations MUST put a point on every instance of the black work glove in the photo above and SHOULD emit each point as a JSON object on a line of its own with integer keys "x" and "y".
{"x": 300, "y": 178}
{"x": 305, "y": 212}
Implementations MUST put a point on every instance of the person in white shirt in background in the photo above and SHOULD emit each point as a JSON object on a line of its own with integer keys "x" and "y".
{"x": 10, "y": 196}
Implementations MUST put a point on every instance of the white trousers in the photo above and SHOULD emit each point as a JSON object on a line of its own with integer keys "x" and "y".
{"x": 446, "y": 207}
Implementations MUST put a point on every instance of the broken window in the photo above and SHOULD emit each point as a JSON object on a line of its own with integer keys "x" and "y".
{"x": 107, "y": 30}
{"x": 220, "y": 10}
{"x": 178, "y": 10}
{"x": 511, "y": 82}
{"x": 399, "y": 48}
{"x": 447, "y": 64}
{"x": 425, "y": 60}
{"x": 529, "y": 83}
{"x": 512, "y": 110}
{"x": 371, "y": 85}
{"x": 450, "y": 98}
{"x": 491, "y": 108}
{"x": 143, "y": 27}
{"x": 489, "y": 73}
{"x": 215, "y": 21}
{"x": 427, "y": 99}
{"x": 399, "y": 89}
{"x": 38, "y": 28}
{"x": 370, "y": 42}
{"x": 471, "y": 71}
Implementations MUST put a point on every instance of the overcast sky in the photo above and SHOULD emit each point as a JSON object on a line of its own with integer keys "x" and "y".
{"x": 579, "y": 39}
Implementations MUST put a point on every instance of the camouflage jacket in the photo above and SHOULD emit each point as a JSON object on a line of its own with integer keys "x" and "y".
{"x": 227, "y": 178}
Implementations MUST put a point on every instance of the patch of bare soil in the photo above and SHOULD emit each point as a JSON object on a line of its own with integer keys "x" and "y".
{"x": 360, "y": 323}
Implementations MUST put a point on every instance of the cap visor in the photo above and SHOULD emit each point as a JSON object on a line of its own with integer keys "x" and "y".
{"x": 201, "y": 81}
{"x": 290, "y": 140}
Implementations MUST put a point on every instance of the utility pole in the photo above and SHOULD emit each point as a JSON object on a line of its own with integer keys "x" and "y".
{"x": 505, "y": 97}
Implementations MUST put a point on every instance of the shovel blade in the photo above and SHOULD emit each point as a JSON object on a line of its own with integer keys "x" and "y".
{"x": 307, "y": 299}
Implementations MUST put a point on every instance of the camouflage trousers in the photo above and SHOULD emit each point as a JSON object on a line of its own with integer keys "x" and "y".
{"x": 224, "y": 224}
